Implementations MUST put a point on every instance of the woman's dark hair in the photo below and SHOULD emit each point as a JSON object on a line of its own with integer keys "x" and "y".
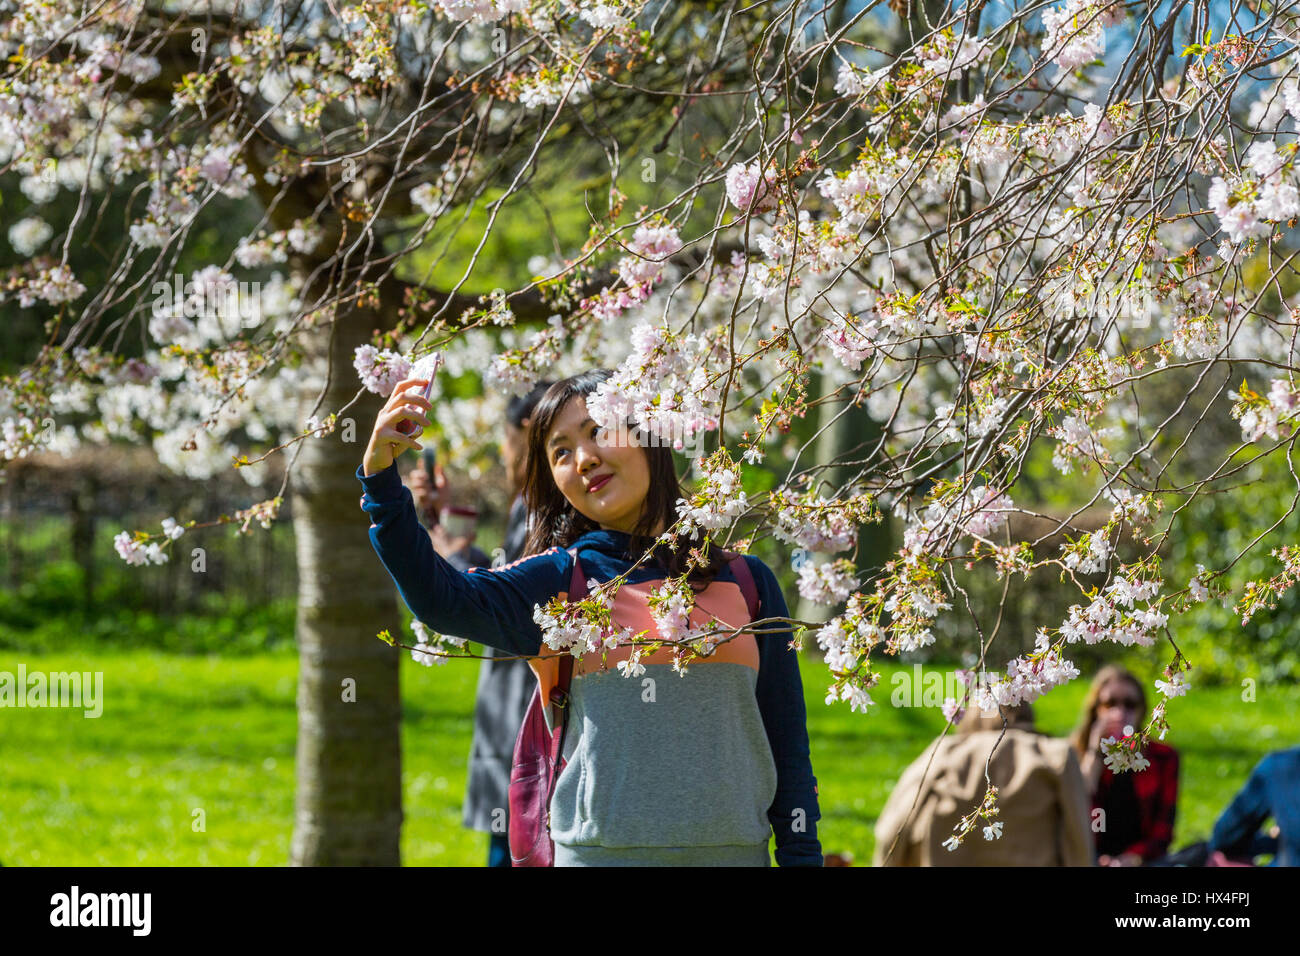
{"x": 521, "y": 406}
{"x": 554, "y": 522}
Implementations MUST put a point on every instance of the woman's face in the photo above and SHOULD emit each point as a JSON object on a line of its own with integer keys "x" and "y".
{"x": 582, "y": 455}
{"x": 1118, "y": 704}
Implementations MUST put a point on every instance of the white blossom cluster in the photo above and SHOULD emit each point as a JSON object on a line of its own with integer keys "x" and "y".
{"x": 432, "y": 648}
{"x": 55, "y": 285}
{"x": 751, "y": 189}
{"x": 848, "y": 637}
{"x": 515, "y": 373}
{"x": 814, "y": 523}
{"x": 1078, "y": 440}
{"x": 255, "y": 253}
{"x": 829, "y": 582}
{"x": 663, "y": 386}
{"x": 568, "y": 625}
{"x": 671, "y": 605}
{"x": 979, "y": 512}
{"x": 1176, "y": 686}
{"x": 1076, "y": 32}
{"x": 380, "y": 369}
{"x": 135, "y": 552}
{"x": 719, "y": 500}
{"x": 480, "y": 10}
{"x": 1263, "y": 196}
{"x": 1120, "y": 756}
{"x": 1113, "y": 615}
{"x": 1089, "y": 555}
{"x": 29, "y": 234}
{"x": 1273, "y": 416}
{"x": 1027, "y": 678}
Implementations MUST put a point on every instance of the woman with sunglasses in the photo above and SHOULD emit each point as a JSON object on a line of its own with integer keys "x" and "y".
{"x": 1132, "y": 811}
{"x": 661, "y": 768}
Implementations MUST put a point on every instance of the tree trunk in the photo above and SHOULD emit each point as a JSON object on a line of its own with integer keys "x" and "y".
{"x": 348, "y": 802}
{"x": 83, "y": 509}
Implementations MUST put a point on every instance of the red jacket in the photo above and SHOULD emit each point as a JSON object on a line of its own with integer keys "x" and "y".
{"x": 1156, "y": 789}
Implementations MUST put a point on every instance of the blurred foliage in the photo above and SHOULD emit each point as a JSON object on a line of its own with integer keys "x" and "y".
{"x": 1213, "y": 530}
{"x": 43, "y": 616}
{"x": 550, "y": 216}
{"x": 244, "y": 603}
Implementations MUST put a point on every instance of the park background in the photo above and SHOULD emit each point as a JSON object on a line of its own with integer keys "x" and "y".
{"x": 200, "y": 674}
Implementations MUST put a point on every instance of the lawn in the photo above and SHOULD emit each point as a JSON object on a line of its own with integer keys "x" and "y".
{"x": 185, "y": 733}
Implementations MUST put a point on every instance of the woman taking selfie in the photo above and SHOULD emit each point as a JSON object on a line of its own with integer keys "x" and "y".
{"x": 661, "y": 769}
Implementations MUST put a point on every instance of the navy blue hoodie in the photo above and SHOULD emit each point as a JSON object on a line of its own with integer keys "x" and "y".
{"x": 661, "y": 768}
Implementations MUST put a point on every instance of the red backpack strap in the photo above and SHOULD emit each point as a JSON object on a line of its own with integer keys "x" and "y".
{"x": 745, "y": 578}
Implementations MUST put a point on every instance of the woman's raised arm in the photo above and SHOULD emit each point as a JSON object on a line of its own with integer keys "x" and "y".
{"x": 489, "y": 606}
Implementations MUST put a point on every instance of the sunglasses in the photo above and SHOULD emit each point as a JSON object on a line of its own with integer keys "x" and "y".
{"x": 1128, "y": 702}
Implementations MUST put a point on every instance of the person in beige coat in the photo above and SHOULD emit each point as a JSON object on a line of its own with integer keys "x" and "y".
{"x": 1042, "y": 803}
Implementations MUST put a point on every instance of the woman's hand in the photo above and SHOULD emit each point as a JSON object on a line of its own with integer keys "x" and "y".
{"x": 386, "y": 442}
{"x": 1091, "y": 763}
{"x": 1095, "y": 736}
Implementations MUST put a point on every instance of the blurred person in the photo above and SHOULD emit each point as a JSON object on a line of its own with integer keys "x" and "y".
{"x": 1041, "y": 799}
{"x": 1136, "y": 822}
{"x": 1273, "y": 790}
{"x": 505, "y": 683}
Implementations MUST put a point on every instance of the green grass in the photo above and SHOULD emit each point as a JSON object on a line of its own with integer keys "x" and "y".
{"x": 184, "y": 732}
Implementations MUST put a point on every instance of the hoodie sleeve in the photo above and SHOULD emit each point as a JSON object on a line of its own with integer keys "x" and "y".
{"x": 492, "y": 606}
{"x": 794, "y": 811}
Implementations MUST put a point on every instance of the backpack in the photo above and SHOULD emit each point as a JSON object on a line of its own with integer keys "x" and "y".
{"x": 538, "y": 760}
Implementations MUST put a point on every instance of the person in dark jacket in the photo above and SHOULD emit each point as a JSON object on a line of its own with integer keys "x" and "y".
{"x": 1273, "y": 790}
{"x": 505, "y": 685}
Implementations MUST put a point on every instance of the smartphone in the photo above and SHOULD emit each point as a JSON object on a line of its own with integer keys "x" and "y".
{"x": 406, "y": 426}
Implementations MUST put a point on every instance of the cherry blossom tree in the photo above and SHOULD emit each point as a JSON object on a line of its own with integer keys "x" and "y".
{"x": 970, "y": 237}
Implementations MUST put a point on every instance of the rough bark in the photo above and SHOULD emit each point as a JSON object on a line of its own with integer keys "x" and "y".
{"x": 348, "y": 803}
